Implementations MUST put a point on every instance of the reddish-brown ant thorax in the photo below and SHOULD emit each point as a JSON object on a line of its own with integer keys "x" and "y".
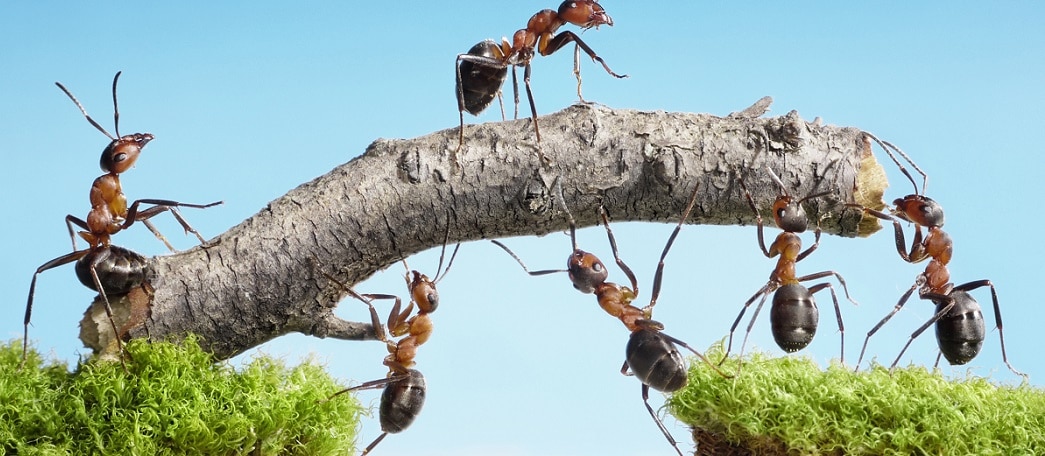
{"x": 584, "y": 14}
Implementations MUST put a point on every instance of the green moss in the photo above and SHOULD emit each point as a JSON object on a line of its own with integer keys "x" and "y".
{"x": 789, "y": 405}
{"x": 174, "y": 400}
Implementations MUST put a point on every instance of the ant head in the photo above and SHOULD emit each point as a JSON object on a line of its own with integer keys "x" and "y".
{"x": 584, "y": 14}
{"x": 920, "y": 210}
{"x": 586, "y": 271}
{"x": 789, "y": 214}
{"x": 423, "y": 292}
{"x": 121, "y": 153}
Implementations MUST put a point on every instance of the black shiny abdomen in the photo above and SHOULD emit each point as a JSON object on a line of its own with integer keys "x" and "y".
{"x": 794, "y": 317}
{"x": 119, "y": 269}
{"x": 401, "y": 402}
{"x": 480, "y": 83}
{"x": 655, "y": 361}
{"x": 960, "y": 333}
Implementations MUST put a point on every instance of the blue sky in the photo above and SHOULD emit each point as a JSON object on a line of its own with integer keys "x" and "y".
{"x": 248, "y": 101}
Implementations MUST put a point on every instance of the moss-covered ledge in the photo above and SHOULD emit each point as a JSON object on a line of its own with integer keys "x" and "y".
{"x": 789, "y": 405}
{"x": 174, "y": 400}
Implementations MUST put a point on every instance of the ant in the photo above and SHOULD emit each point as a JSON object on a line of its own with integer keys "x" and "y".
{"x": 960, "y": 328}
{"x": 482, "y": 70}
{"x": 793, "y": 315}
{"x": 404, "y": 387}
{"x": 103, "y": 267}
{"x": 650, "y": 355}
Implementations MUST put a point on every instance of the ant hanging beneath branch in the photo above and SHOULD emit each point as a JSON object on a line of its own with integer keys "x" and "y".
{"x": 404, "y": 387}
{"x": 793, "y": 315}
{"x": 108, "y": 269}
{"x": 650, "y": 355}
{"x": 482, "y": 70}
{"x": 960, "y": 327}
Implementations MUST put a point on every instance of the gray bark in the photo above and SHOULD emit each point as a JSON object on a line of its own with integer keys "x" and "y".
{"x": 264, "y": 277}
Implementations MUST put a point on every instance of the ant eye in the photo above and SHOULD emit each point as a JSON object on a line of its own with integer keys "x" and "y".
{"x": 597, "y": 267}
{"x": 119, "y": 158}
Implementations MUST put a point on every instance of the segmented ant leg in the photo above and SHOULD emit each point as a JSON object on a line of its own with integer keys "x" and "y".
{"x": 373, "y": 384}
{"x": 156, "y": 232}
{"x": 816, "y": 243}
{"x": 838, "y": 314}
{"x": 656, "y": 419}
{"x": 373, "y": 444}
{"x": 764, "y": 291}
{"x": 997, "y": 317}
{"x": 160, "y": 206}
{"x": 932, "y": 320}
{"x": 577, "y": 71}
{"x": 560, "y": 40}
{"x": 822, "y": 274}
{"x": 518, "y": 260}
{"x": 758, "y": 218}
{"x": 659, "y": 275}
{"x": 64, "y": 259}
{"x": 754, "y": 317}
{"x": 375, "y": 321}
{"x": 695, "y": 352}
{"x": 616, "y": 254}
{"x": 71, "y": 220}
{"x": 108, "y": 308}
{"x": 899, "y": 305}
{"x": 515, "y": 92}
{"x": 917, "y": 252}
{"x": 533, "y": 113}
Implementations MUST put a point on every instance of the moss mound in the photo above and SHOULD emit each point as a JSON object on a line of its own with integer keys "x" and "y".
{"x": 789, "y": 405}
{"x": 173, "y": 400}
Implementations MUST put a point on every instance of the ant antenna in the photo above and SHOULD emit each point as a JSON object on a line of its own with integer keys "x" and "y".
{"x": 888, "y": 148}
{"x": 115, "y": 106}
{"x": 84, "y": 111}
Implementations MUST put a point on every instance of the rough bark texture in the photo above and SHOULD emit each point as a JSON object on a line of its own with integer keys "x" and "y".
{"x": 261, "y": 279}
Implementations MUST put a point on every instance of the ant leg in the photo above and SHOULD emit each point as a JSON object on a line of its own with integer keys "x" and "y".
{"x": 616, "y": 255}
{"x": 375, "y": 321}
{"x": 660, "y": 424}
{"x": 899, "y": 305}
{"x": 939, "y": 355}
{"x": 577, "y": 71}
{"x": 71, "y": 220}
{"x": 515, "y": 92}
{"x": 518, "y": 260}
{"x": 758, "y": 218}
{"x": 373, "y": 384}
{"x": 109, "y": 309}
{"x": 819, "y": 275}
{"x": 764, "y": 291}
{"x": 838, "y": 313}
{"x": 560, "y": 40}
{"x": 658, "y": 277}
{"x": 816, "y": 243}
{"x": 754, "y": 317}
{"x": 695, "y": 352}
{"x": 156, "y": 232}
{"x": 161, "y": 206}
{"x": 62, "y": 260}
{"x": 917, "y": 252}
{"x": 997, "y": 317}
{"x": 932, "y": 320}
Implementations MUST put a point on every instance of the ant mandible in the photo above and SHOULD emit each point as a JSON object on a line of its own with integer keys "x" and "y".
{"x": 793, "y": 315}
{"x": 103, "y": 267}
{"x": 482, "y": 70}
{"x": 650, "y": 355}
{"x": 960, "y": 328}
{"x": 404, "y": 387}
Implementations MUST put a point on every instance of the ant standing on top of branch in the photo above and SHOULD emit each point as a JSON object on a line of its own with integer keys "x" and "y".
{"x": 103, "y": 267}
{"x": 404, "y": 387}
{"x": 793, "y": 315}
{"x": 481, "y": 72}
{"x": 650, "y": 355}
{"x": 960, "y": 328}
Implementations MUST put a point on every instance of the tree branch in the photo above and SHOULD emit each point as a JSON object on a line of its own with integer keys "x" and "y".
{"x": 264, "y": 278}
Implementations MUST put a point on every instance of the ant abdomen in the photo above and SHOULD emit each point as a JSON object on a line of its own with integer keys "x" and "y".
{"x": 401, "y": 402}
{"x": 960, "y": 333}
{"x": 479, "y": 83}
{"x": 655, "y": 361}
{"x": 793, "y": 317}
{"x": 119, "y": 270}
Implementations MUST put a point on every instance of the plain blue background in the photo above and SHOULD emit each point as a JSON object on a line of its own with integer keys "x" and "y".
{"x": 248, "y": 101}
